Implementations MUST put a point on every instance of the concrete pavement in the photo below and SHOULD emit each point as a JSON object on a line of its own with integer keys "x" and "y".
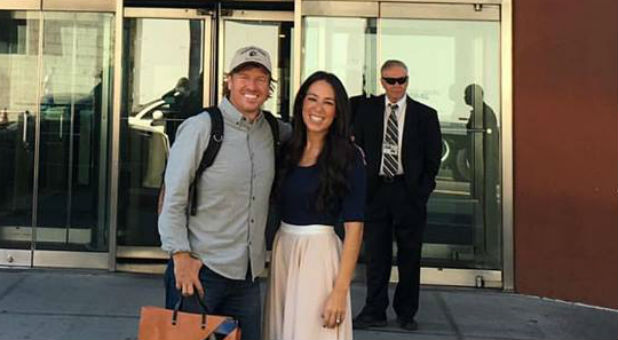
{"x": 87, "y": 304}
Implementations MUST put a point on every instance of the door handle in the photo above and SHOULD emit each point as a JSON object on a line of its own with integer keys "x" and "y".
{"x": 24, "y": 137}
{"x": 481, "y": 130}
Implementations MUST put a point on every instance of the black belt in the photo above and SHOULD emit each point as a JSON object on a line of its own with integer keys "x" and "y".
{"x": 391, "y": 179}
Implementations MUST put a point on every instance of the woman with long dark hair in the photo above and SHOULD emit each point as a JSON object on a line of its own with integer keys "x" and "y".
{"x": 321, "y": 183}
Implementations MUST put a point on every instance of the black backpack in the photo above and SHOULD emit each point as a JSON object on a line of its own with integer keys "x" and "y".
{"x": 209, "y": 155}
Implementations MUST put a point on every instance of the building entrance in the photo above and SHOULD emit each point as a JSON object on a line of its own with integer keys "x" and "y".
{"x": 92, "y": 94}
{"x": 453, "y": 55}
{"x": 174, "y": 65}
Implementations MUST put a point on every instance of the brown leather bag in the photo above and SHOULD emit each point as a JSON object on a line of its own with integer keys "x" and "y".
{"x": 157, "y": 323}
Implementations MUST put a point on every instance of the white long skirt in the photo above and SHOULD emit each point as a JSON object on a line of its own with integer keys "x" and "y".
{"x": 304, "y": 267}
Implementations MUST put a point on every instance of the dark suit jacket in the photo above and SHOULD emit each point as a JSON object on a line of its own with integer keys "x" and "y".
{"x": 421, "y": 148}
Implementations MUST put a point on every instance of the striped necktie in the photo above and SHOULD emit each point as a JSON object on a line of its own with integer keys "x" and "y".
{"x": 391, "y": 159}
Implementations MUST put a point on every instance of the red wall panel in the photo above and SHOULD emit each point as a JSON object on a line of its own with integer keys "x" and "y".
{"x": 566, "y": 149}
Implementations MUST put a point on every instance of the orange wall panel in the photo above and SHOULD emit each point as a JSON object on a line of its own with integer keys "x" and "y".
{"x": 566, "y": 149}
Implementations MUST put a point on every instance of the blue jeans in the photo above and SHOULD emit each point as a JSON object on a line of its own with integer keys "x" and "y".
{"x": 239, "y": 299}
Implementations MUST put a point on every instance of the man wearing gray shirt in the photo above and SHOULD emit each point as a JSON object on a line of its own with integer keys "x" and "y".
{"x": 220, "y": 251}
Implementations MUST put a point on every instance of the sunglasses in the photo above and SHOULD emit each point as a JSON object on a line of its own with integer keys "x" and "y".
{"x": 392, "y": 81}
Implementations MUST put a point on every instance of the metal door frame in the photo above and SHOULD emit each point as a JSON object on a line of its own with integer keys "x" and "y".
{"x": 500, "y": 10}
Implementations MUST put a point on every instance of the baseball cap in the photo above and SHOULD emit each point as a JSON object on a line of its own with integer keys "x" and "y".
{"x": 251, "y": 54}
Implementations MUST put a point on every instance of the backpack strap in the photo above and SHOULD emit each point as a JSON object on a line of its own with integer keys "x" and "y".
{"x": 274, "y": 128}
{"x": 214, "y": 145}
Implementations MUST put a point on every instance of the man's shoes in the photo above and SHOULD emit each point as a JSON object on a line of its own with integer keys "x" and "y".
{"x": 364, "y": 321}
{"x": 407, "y": 324}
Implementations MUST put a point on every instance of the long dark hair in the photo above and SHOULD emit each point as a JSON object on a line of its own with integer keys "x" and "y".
{"x": 336, "y": 158}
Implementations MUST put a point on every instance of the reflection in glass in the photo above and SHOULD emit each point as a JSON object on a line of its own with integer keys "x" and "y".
{"x": 72, "y": 120}
{"x": 163, "y": 84}
{"x": 443, "y": 58}
{"x": 75, "y": 111}
{"x": 343, "y": 46}
{"x": 19, "y": 49}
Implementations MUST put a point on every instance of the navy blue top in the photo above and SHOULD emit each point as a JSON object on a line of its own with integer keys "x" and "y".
{"x": 297, "y": 198}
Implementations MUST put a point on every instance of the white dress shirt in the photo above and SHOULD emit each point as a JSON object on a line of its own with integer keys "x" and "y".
{"x": 401, "y": 110}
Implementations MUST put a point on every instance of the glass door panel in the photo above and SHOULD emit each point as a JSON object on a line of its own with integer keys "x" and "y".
{"x": 163, "y": 85}
{"x": 55, "y": 83}
{"x": 75, "y": 110}
{"x": 19, "y": 59}
{"x": 343, "y": 46}
{"x": 454, "y": 67}
{"x": 170, "y": 55}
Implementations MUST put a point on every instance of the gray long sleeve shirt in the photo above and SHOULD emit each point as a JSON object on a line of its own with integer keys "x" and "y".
{"x": 227, "y": 233}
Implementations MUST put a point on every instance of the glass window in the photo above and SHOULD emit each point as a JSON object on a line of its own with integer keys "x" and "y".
{"x": 74, "y": 128}
{"x": 343, "y": 46}
{"x": 454, "y": 68}
{"x": 19, "y": 49}
{"x": 64, "y": 90}
{"x": 16, "y": 36}
{"x": 163, "y": 84}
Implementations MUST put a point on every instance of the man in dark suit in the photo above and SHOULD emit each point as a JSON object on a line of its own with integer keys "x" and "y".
{"x": 402, "y": 143}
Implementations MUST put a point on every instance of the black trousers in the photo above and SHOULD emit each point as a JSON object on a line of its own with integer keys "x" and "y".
{"x": 393, "y": 212}
{"x": 239, "y": 299}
